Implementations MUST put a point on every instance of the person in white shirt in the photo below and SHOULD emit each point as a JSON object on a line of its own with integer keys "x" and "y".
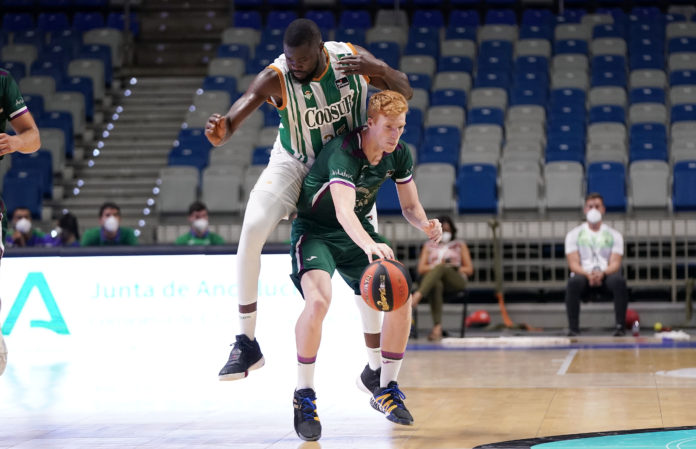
{"x": 594, "y": 251}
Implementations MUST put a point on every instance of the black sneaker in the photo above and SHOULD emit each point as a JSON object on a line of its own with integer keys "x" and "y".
{"x": 572, "y": 333}
{"x": 368, "y": 380}
{"x": 245, "y": 356}
{"x": 619, "y": 331}
{"x": 390, "y": 401}
{"x": 307, "y": 424}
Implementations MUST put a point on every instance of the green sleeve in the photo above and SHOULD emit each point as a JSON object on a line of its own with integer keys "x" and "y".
{"x": 90, "y": 237}
{"x": 129, "y": 237}
{"x": 182, "y": 239}
{"x": 404, "y": 163}
{"x": 216, "y": 239}
{"x": 12, "y": 97}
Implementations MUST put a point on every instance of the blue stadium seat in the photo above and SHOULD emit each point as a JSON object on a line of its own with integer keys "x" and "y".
{"x": 83, "y": 85}
{"x": 21, "y": 188}
{"x": 386, "y": 51}
{"x": 486, "y": 116}
{"x": 261, "y": 155}
{"x": 188, "y": 156}
{"x": 424, "y": 33}
{"x": 648, "y": 132}
{"x": 69, "y": 40}
{"x": 268, "y": 50}
{"x": 495, "y": 48}
{"x": 607, "y": 113}
{"x": 566, "y": 132}
{"x": 42, "y": 162}
{"x": 30, "y": 37}
{"x": 464, "y": 17}
{"x": 280, "y": 19}
{"x": 16, "y": 68}
{"x": 607, "y": 78}
{"x": 58, "y": 54}
{"x": 428, "y": 18}
{"x": 684, "y": 186}
{"x": 17, "y": 21}
{"x": 118, "y": 20}
{"x": 647, "y": 95}
{"x": 270, "y": 115}
{"x": 55, "y": 4}
{"x": 682, "y": 77}
{"x": 609, "y": 180}
{"x": 414, "y": 116}
{"x": 387, "y": 199}
{"x": 608, "y": 62}
{"x": 569, "y": 113}
{"x": 193, "y": 138}
{"x": 501, "y": 17}
{"x": 419, "y": 81}
{"x": 531, "y": 79}
{"x": 233, "y": 51}
{"x": 536, "y": 32}
{"x": 492, "y": 78}
{"x": 247, "y": 19}
{"x": 675, "y": 17}
{"x": 570, "y": 46}
{"x": 85, "y": 21}
{"x": 323, "y": 18}
{"x": 45, "y": 67}
{"x": 683, "y": 112}
{"x": 681, "y": 44}
{"x": 103, "y": 53}
{"x": 455, "y": 64}
{"x": 565, "y": 151}
{"x": 642, "y": 150}
{"x": 477, "y": 189}
{"x": 224, "y": 83}
{"x": 537, "y": 17}
{"x": 355, "y": 19}
{"x": 568, "y": 97}
{"x": 532, "y": 64}
{"x": 609, "y": 30}
{"x": 430, "y": 152}
{"x": 640, "y": 61}
{"x": 448, "y": 97}
{"x": 90, "y": 4}
{"x": 256, "y": 65}
{"x": 353, "y": 35}
{"x": 447, "y": 136}
{"x": 528, "y": 95}
{"x": 272, "y": 36}
{"x": 427, "y": 47}
{"x": 492, "y": 62}
{"x": 574, "y": 15}
{"x": 413, "y": 134}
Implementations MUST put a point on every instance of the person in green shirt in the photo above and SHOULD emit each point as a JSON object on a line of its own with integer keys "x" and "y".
{"x": 332, "y": 233}
{"x": 199, "y": 234}
{"x": 110, "y": 232}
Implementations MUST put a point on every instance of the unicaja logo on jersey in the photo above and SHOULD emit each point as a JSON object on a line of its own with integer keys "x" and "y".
{"x": 315, "y": 117}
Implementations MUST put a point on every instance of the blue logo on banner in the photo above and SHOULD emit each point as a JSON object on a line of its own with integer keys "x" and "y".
{"x": 38, "y": 281}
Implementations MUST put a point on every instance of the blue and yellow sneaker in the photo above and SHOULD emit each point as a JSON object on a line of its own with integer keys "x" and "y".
{"x": 390, "y": 401}
{"x": 244, "y": 357}
{"x": 306, "y": 421}
{"x": 368, "y": 380}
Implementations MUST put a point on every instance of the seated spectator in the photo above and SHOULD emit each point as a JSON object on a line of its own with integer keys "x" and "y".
{"x": 67, "y": 233}
{"x": 24, "y": 234}
{"x": 110, "y": 233}
{"x": 443, "y": 267}
{"x": 199, "y": 234}
{"x": 594, "y": 252}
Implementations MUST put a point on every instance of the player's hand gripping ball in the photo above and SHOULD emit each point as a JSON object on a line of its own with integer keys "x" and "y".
{"x": 385, "y": 285}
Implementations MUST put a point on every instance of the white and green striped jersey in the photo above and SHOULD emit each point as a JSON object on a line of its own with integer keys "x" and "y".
{"x": 312, "y": 114}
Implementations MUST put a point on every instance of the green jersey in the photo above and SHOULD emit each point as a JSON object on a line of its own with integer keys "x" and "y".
{"x": 311, "y": 114}
{"x": 343, "y": 161}
{"x": 96, "y": 237}
{"x": 209, "y": 238}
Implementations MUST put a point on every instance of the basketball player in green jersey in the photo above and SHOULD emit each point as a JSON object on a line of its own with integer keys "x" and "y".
{"x": 25, "y": 140}
{"x": 332, "y": 232}
{"x": 320, "y": 91}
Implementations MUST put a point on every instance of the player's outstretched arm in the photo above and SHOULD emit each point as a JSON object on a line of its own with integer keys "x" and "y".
{"x": 26, "y": 139}
{"x": 344, "y": 203}
{"x": 415, "y": 214}
{"x": 266, "y": 85}
{"x": 381, "y": 75}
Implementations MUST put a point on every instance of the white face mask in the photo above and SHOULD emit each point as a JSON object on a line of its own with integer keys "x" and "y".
{"x": 111, "y": 224}
{"x": 200, "y": 225}
{"x": 23, "y": 225}
{"x": 446, "y": 237}
{"x": 593, "y": 216}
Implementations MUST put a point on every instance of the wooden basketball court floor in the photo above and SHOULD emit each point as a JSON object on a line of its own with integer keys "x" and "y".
{"x": 124, "y": 389}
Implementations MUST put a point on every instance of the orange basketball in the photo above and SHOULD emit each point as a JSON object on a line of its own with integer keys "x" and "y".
{"x": 385, "y": 285}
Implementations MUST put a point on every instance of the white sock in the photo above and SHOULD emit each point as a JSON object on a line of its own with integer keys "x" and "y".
{"x": 391, "y": 364}
{"x": 305, "y": 373}
{"x": 247, "y": 324}
{"x": 374, "y": 357}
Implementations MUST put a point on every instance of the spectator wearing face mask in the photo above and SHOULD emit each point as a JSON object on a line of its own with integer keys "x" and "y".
{"x": 24, "y": 233}
{"x": 594, "y": 251}
{"x": 199, "y": 234}
{"x": 66, "y": 234}
{"x": 110, "y": 232}
{"x": 443, "y": 267}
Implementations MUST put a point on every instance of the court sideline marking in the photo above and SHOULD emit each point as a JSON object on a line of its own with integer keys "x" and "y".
{"x": 566, "y": 363}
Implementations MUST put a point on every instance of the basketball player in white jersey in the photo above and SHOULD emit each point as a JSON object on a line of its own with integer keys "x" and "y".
{"x": 320, "y": 91}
